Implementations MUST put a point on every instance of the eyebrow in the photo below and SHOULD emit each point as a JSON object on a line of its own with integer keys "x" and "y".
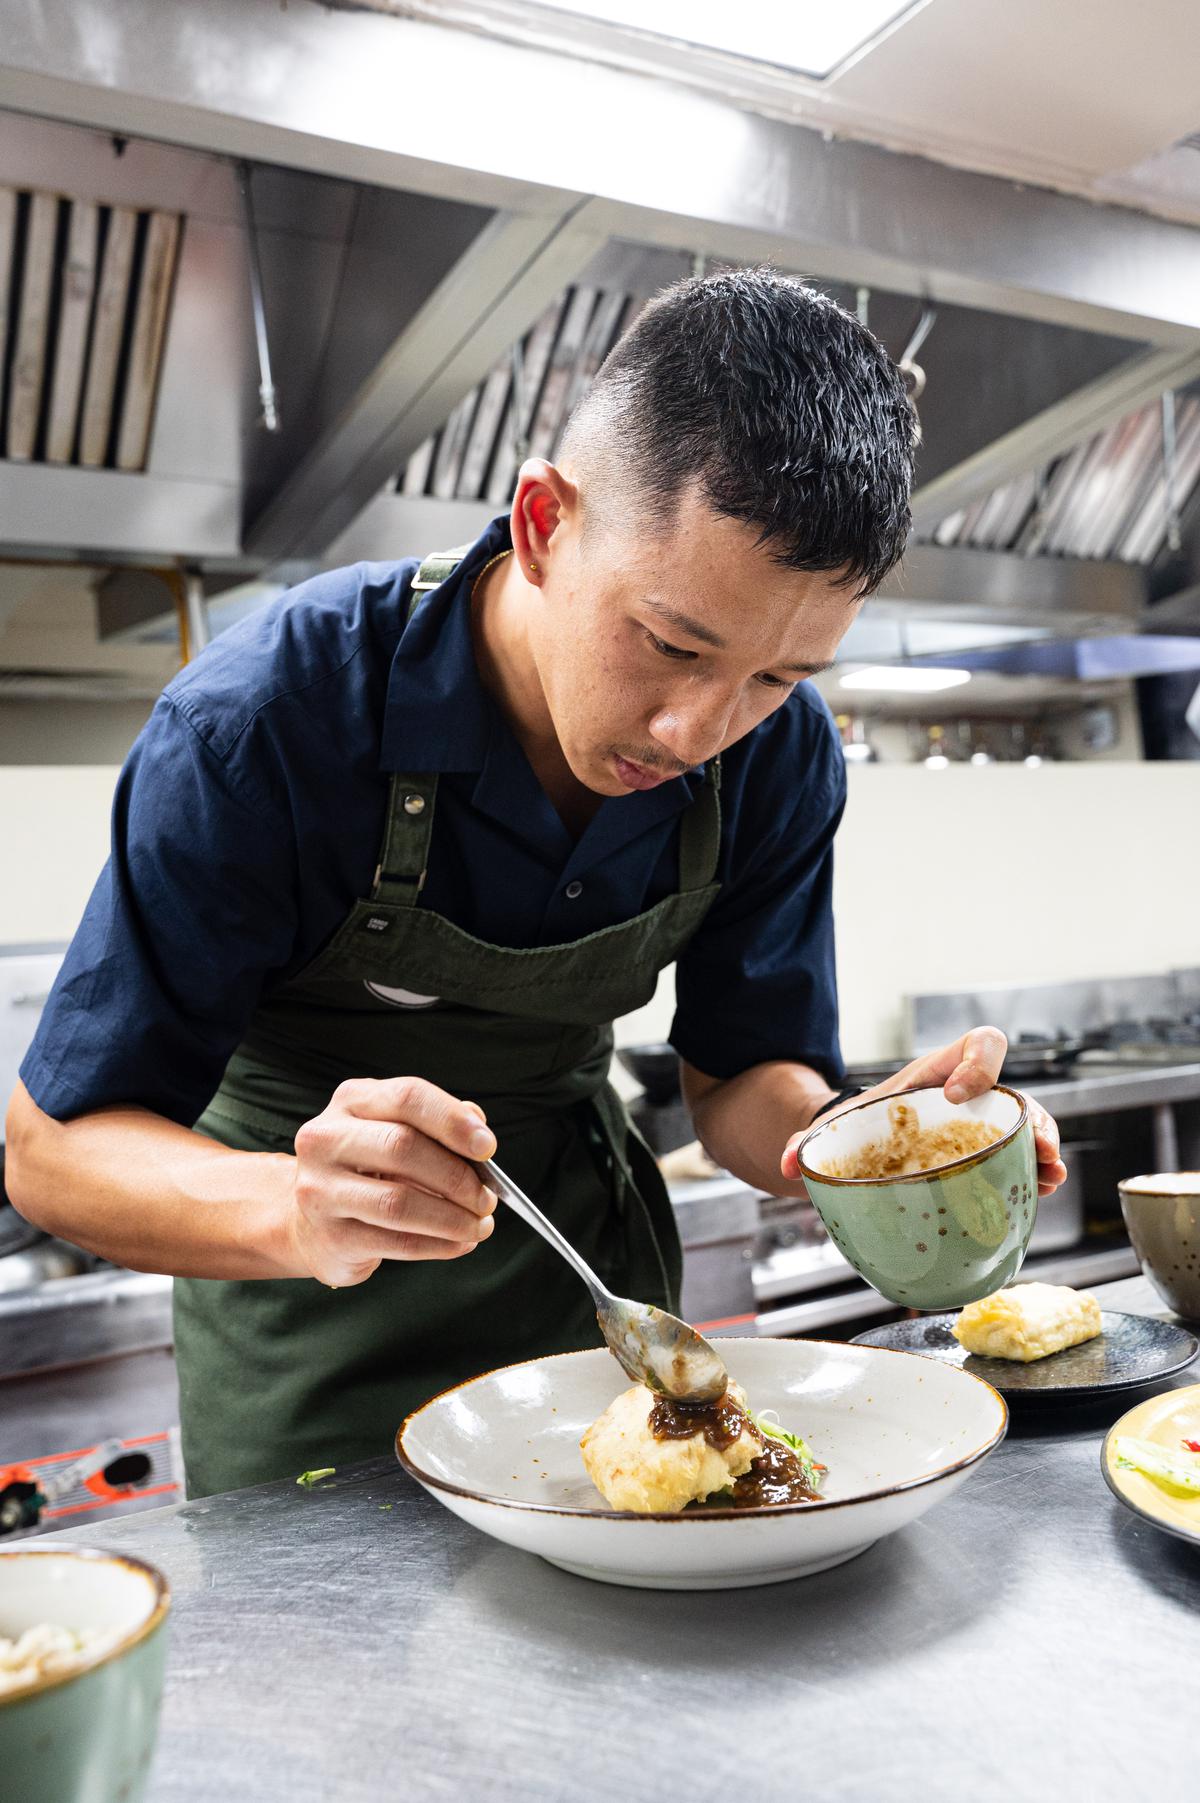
{"x": 707, "y": 636}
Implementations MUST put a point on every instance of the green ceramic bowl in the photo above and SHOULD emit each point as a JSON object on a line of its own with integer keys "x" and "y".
{"x": 85, "y": 1735}
{"x": 939, "y": 1238}
{"x": 1162, "y": 1214}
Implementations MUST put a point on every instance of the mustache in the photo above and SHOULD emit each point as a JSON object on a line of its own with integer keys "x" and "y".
{"x": 651, "y": 759}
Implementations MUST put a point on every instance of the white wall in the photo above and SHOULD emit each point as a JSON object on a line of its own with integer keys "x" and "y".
{"x": 962, "y": 878}
{"x": 945, "y": 879}
{"x": 966, "y": 878}
{"x": 54, "y": 831}
{"x": 65, "y": 731}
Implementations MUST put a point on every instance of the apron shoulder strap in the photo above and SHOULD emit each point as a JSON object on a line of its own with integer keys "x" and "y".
{"x": 404, "y": 855}
{"x": 433, "y": 572}
{"x": 700, "y": 833}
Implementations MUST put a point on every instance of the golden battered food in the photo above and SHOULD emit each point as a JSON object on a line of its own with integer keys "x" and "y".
{"x": 911, "y": 1148}
{"x": 1027, "y": 1323}
{"x": 633, "y": 1468}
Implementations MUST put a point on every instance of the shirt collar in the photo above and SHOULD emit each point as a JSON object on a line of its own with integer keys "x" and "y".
{"x": 438, "y": 713}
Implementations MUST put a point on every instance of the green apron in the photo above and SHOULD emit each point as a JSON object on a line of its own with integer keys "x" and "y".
{"x": 278, "y": 1376}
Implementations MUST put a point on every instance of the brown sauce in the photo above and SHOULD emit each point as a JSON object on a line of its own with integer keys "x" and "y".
{"x": 776, "y": 1476}
{"x": 720, "y": 1422}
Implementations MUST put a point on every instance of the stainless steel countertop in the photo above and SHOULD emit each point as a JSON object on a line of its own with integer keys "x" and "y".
{"x": 1102, "y": 1089}
{"x": 1027, "y": 1638}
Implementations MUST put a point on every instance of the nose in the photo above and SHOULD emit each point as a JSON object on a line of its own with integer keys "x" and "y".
{"x": 691, "y": 734}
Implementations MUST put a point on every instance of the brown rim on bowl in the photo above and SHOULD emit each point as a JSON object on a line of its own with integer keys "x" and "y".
{"x": 1160, "y": 1195}
{"x": 956, "y": 1164}
{"x": 162, "y": 1603}
{"x": 771, "y": 1511}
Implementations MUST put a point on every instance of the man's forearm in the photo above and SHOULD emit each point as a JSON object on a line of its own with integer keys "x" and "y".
{"x": 147, "y": 1193}
{"x": 745, "y": 1122}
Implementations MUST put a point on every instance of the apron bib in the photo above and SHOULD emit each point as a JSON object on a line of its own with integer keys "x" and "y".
{"x": 277, "y": 1376}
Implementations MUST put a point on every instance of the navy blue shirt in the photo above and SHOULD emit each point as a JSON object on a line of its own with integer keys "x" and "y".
{"x": 248, "y": 817}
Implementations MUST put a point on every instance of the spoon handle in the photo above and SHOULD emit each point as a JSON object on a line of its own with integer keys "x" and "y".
{"x": 494, "y": 1179}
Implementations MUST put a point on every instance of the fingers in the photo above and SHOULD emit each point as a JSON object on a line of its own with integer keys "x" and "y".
{"x": 969, "y": 1067}
{"x": 405, "y": 1208}
{"x": 357, "y": 1239}
{"x": 981, "y": 1059}
{"x": 1045, "y": 1132}
{"x": 347, "y": 1252}
{"x": 395, "y": 1150}
{"x": 383, "y": 1173}
{"x": 459, "y": 1126}
{"x": 1051, "y": 1169}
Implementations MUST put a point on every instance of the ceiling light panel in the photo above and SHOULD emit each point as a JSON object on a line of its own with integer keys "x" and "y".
{"x": 909, "y": 679}
{"x": 789, "y": 34}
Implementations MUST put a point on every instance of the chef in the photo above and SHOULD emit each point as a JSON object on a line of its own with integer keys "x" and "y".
{"x": 390, "y": 858}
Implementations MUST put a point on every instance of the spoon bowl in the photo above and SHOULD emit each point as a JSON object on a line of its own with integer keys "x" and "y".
{"x": 651, "y": 1346}
{"x": 661, "y": 1351}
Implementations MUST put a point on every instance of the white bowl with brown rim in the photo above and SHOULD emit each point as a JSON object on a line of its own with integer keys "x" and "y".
{"x": 1162, "y": 1214}
{"x": 898, "y": 1434}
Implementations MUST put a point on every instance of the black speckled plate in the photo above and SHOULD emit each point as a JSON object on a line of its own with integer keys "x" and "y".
{"x": 1131, "y": 1350}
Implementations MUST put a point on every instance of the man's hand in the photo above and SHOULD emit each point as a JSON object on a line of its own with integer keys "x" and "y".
{"x": 382, "y": 1173}
{"x": 969, "y": 1067}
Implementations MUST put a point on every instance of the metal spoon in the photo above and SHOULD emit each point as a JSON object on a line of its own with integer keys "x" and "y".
{"x": 651, "y": 1347}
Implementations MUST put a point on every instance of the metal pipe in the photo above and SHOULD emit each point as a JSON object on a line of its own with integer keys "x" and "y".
{"x": 520, "y": 424}
{"x": 923, "y": 328}
{"x": 1170, "y": 471}
{"x": 1166, "y": 1138}
{"x": 196, "y": 606}
{"x": 266, "y": 387}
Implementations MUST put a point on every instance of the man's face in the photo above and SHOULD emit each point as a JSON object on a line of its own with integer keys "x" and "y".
{"x": 657, "y": 649}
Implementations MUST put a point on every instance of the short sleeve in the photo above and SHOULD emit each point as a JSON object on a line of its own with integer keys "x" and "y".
{"x": 758, "y": 981}
{"x": 192, "y": 914}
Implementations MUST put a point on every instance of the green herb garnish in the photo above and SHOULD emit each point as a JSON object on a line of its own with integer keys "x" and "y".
{"x": 766, "y": 1425}
{"x": 308, "y": 1478}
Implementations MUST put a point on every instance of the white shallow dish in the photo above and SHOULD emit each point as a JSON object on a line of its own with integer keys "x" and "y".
{"x": 898, "y": 1433}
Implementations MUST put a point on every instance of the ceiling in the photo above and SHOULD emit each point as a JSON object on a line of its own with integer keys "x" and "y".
{"x": 402, "y": 260}
{"x": 1085, "y": 95}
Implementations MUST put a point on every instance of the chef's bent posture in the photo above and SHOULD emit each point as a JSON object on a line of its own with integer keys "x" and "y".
{"x": 392, "y": 855}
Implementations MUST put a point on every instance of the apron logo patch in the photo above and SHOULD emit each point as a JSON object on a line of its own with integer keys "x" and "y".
{"x": 401, "y": 998}
{"x": 377, "y": 923}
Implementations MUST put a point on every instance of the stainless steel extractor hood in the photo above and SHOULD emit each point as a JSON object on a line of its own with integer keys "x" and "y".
{"x": 411, "y": 232}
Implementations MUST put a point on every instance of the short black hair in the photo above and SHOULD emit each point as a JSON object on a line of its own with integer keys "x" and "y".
{"x": 779, "y": 403}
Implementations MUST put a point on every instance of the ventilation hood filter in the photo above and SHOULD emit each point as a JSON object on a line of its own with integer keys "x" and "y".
{"x": 82, "y": 335}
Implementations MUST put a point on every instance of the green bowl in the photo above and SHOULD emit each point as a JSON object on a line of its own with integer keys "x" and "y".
{"x": 85, "y": 1735}
{"x": 939, "y": 1238}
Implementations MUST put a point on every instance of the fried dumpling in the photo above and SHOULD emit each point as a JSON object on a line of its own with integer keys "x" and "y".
{"x": 633, "y": 1468}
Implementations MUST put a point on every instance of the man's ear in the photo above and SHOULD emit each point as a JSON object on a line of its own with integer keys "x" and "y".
{"x": 543, "y": 496}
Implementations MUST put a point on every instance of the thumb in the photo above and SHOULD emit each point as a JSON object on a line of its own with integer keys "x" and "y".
{"x": 789, "y": 1164}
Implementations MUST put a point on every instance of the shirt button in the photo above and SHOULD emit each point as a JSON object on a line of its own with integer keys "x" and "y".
{"x": 574, "y": 891}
